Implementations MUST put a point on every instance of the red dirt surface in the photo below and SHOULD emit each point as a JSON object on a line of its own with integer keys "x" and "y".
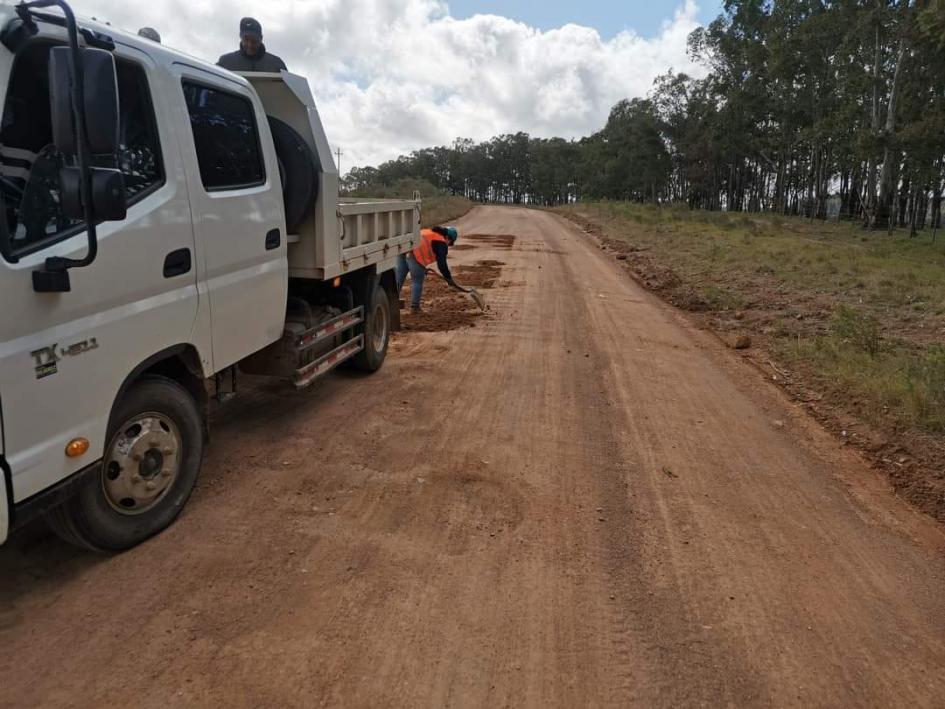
{"x": 586, "y": 500}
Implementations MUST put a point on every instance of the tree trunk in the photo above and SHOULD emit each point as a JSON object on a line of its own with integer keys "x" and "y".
{"x": 937, "y": 207}
{"x": 913, "y": 213}
{"x": 870, "y": 202}
{"x": 819, "y": 200}
{"x": 855, "y": 194}
{"x": 905, "y": 194}
{"x": 886, "y": 186}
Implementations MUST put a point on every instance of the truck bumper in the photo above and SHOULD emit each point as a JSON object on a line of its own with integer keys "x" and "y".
{"x": 23, "y": 513}
{"x": 6, "y": 499}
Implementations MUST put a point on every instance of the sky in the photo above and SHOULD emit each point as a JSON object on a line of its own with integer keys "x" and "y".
{"x": 608, "y": 17}
{"x": 393, "y": 76}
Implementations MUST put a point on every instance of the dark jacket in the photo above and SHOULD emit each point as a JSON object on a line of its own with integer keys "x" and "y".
{"x": 240, "y": 61}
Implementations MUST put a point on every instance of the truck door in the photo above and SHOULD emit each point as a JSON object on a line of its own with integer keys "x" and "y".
{"x": 237, "y": 208}
{"x": 64, "y": 356}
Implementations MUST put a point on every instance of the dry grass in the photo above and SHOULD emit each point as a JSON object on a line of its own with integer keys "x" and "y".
{"x": 444, "y": 209}
{"x": 863, "y": 313}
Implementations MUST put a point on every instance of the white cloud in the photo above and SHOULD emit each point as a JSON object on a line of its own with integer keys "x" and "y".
{"x": 391, "y": 76}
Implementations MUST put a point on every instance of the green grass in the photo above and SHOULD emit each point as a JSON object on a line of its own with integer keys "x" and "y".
{"x": 839, "y": 259}
{"x": 906, "y": 381}
{"x": 870, "y": 303}
{"x": 444, "y": 209}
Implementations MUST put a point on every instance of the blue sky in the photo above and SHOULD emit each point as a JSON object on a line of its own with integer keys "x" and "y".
{"x": 608, "y": 17}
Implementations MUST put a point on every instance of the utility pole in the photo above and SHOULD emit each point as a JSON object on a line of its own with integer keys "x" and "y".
{"x": 339, "y": 153}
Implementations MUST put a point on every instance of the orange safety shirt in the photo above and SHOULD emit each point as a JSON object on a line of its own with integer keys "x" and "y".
{"x": 423, "y": 253}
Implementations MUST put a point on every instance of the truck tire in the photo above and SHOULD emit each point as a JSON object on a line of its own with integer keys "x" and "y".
{"x": 376, "y": 332}
{"x": 299, "y": 172}
{"x": 152, "y": 457}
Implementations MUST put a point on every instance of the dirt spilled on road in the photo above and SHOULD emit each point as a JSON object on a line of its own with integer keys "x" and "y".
{"x": 482, "y": 274}
{"x": 447, "y": 309}
{"x": 499, "y": 241}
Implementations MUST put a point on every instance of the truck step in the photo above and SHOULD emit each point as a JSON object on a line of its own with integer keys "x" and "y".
{"x": 329, "y": 328}
{"x": 310, "y": 372}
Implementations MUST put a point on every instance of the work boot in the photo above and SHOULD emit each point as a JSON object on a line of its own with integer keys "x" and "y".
{"x": 415, "y": 309}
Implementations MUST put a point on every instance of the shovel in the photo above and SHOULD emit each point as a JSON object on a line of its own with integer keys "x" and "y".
{"x": 471, "y": 292}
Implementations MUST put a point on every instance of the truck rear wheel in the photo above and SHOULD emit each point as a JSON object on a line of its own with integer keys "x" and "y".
{"x": 151, "y": 462}
{"x": 376, "y": 332}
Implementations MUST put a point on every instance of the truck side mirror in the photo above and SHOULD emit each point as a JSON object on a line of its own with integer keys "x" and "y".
{"x": 83, "y": 98}
{"x": 99, "y": 99}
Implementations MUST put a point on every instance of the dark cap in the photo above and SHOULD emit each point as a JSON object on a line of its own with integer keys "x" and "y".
{"x": 150, "y": 33}
{"x": 251, "y": 27}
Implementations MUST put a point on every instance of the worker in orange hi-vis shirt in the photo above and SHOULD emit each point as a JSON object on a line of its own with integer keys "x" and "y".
{"x": 434, "y": 246}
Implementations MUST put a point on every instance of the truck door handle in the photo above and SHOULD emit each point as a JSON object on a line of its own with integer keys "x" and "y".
{"x": 273, "y": 239}
{"x": 177, "y": 263}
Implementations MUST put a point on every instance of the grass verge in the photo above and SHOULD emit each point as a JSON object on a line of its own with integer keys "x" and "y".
{"x": 851, "y": 320}
{"x": 443, "y": 209}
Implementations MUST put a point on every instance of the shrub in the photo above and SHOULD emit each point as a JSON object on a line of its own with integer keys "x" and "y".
{"x": 860, "y": 331}
{"x": 925, "y": 379}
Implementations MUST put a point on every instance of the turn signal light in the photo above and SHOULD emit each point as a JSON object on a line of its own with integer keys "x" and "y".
{"x": 77, "y": 447}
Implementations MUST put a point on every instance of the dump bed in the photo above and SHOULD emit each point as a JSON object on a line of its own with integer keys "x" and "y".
{"x": 374, "y": 231}
{"x": 339, "y": 236}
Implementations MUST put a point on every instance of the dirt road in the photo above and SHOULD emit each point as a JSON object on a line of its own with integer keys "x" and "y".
{"x": 581, "y": 500}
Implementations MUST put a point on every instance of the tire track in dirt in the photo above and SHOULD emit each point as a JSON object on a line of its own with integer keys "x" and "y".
{"x": 582, "y": 500}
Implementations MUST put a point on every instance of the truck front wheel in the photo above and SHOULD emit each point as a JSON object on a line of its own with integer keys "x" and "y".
{"x": 376, "y": 332}
{"x": 151, "y": 462}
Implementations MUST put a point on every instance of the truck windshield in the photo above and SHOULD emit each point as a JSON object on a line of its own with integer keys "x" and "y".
{"x": 29, "y": 163}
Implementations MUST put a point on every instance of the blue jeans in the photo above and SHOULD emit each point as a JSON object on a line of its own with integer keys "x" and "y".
{"x": 407, "y": 264}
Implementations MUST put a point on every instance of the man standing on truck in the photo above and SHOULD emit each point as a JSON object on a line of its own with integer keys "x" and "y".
{"x": 252, "y": 54}
{"x": 434, "y": 246}
{"x": 150, "y": 33}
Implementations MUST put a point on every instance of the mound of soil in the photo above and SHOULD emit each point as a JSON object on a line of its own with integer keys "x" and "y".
{"x": 447, "y": 309}
{"x": 443, "y": 309}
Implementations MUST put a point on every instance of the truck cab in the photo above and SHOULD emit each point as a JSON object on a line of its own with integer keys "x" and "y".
{"x": 199, "y": 272}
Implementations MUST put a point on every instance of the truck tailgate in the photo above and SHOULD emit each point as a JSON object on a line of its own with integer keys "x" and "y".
{"x": 372, "y": 232}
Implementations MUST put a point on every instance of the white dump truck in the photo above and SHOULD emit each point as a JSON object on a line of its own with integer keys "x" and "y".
{"x": 166, "y": 224}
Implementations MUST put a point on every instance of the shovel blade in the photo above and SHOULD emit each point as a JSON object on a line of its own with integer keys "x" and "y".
{"x": 480, "y": 301}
